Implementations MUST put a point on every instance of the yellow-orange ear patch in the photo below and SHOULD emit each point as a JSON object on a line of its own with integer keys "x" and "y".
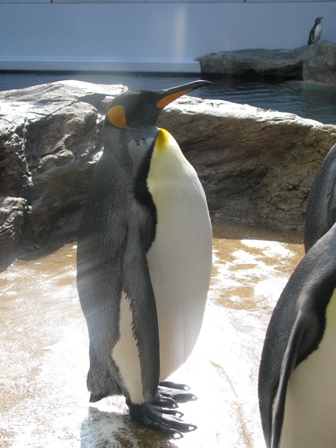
{"x": 170, "y": 98}
{"x": 117, "y": 117}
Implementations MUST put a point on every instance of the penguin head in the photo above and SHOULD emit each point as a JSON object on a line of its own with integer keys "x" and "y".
{"x": 318, "y": 20}
{"x": 139, "y": 109}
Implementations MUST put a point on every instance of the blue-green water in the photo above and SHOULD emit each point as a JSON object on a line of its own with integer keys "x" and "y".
{"x": 308, "y": 101}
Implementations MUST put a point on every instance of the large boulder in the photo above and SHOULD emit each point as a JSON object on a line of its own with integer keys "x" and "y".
{"x": 256, "y": 166}
{"x": 280, "y": 64}
{"x": 320, "y": 66}
{"x": 49, "y": 138}
{"x": 311, "y": 63}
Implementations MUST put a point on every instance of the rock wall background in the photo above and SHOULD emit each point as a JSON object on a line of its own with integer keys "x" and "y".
{"x": 256, "y": 166}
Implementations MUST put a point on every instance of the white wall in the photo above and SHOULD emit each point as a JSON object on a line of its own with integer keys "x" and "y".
{"x": 149, "y": 36}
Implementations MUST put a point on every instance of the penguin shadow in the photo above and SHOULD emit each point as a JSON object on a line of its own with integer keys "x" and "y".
{"x": 103, "y": 429}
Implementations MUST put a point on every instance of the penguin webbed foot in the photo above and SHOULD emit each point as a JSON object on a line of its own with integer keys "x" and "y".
{"x": 167, "y": 421}
{"x": 175, "y": 392}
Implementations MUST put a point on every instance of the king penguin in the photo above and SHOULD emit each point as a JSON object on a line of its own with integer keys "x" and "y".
{"x": 144, "y": 260}
{"x": 316, "y": 31}
{"x": 297, "y": 394}
{"x": 321, "y": 202}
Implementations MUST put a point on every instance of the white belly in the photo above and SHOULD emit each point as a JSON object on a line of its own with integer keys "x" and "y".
{"x": 179, "y": 262}
{"x": 318, "y": 32}
{"x": 310, "y": 413}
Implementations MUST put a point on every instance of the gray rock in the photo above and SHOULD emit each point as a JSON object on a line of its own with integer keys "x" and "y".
{"x": 282, "y": 64}
{"x": 256, "y": 166}
{"x": 311, "y": 63}
{"x": 49, "y": 138}
{"x": 320, "y": 67}
{"x": 12, "y": 211}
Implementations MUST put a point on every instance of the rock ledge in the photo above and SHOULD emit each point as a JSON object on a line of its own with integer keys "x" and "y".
{"x": 312, "y": 63}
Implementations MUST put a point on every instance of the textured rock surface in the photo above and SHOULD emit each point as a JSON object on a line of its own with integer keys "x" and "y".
{"x": 320, "y": 67}
{"x": 313, "y": 63}
{"x": 256, "y": 166}
{"x": 49, "y": 137}
{"x": 12, "y": 211}
{"x": 283, "y": 64}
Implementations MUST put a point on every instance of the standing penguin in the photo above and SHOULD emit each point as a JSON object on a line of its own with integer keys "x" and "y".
{"x": 297, "y": 394}
{"x": 316, "y": 31}
{"x": 321, "y": 203}
{"x": 143, "y": 259}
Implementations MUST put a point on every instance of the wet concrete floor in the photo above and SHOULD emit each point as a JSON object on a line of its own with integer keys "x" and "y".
{"x": 44, "y": 352}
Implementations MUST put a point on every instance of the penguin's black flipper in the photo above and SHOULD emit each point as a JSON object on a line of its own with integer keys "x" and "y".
{"x": 138, "y": 287}
{"x": 311, "y": 36}
{"x": 287, "y": 367}
{"x": 163, "y": 420}
{"x": 145, "y": 328}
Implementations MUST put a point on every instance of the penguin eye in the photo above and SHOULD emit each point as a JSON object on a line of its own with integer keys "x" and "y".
{"x": 116, "y": 116}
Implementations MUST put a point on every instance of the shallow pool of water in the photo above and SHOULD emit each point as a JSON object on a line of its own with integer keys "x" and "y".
{"x": 308, "y": 101}
{"x": 44, "y": 352}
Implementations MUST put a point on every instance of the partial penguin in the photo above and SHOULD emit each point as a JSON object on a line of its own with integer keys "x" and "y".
{"x": 143, "y": 260}
{"x": 297, "y": 395}
{"x": 321, "y": 203}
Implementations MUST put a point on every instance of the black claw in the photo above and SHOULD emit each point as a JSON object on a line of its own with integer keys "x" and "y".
{"x": 177, "y": 414}
{"x": 172, "y": 385}
{"x": 157, "y": 426}
{"x": 167, "y": 421}
{"x": 175, "y": 391}
{"x": 165, "y": 401}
